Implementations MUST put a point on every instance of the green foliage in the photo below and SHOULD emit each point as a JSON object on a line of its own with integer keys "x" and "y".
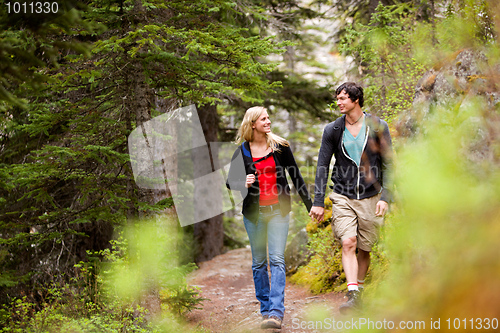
{"x": 64, "y": 165}
{"x": 302, "y": 91}
{"x": 399, "y": 44}
{"x": 301, "y": 96}
{"x": 445, "y": 233}
{"x": 182, "y": 300}
{"x": 384, "y": 51}
{"x": 146, "y": 259}
{"x": 64, "y": 309}
{"x": 190, "y": 55}
{"x": 323, "y": 273}
{"x": 149, "y": 264}
{"x": 98, "y": 300}
{"x": 30, "y": 43}
{"x": 80, "y": 305}
{"x": 467, "y": 24}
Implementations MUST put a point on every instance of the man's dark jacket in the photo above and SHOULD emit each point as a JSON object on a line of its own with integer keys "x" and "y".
{"x": 284, "y": 160}
{"x": 349, "y": 179}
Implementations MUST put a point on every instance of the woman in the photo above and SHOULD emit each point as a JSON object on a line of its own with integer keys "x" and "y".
{"x": 266, "y": 206}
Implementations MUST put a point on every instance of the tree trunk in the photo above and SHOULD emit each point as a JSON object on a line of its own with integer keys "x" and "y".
{"x": 372, "y": 6}
{"x": 141, "y": 99}
{"x": 209, "y": 234}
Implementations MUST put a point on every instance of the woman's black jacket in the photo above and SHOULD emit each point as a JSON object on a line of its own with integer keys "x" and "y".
{"x": 242, "y": 164}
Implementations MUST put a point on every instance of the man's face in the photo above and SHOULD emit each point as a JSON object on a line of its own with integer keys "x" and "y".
{"x": 345, "y": 103}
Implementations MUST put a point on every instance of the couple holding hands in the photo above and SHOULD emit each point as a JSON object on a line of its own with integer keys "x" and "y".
{"x": 361, "y": 144}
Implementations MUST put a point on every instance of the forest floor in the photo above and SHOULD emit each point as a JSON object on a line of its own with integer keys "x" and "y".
{"x": 227, "y": 282}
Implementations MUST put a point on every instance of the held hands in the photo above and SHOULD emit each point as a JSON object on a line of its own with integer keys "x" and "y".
{"x": 317, "y": 213}
{"x": 250, "y": 180}
{"x": 382, "y": 208}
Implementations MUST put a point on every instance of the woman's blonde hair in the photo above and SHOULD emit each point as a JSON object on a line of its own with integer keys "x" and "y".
{"x": 245, "y": 132}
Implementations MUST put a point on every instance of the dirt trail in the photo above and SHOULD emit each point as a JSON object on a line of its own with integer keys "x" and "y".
{"x": 227, "y": 281}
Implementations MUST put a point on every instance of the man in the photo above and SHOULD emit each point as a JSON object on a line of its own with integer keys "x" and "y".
{"x": 362, "y": 147}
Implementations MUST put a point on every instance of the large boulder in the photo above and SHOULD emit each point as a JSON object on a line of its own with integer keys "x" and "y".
{"x": 466, "y": 73}
{"x": 454, "y": 83}
{"x": 297, "y": 253}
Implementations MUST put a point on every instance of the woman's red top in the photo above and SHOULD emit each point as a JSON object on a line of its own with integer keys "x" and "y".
{"x": 266, "y": 172}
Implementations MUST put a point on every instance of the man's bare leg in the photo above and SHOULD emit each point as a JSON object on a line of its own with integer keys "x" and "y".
{"x": 363, "y": 264}
{"x": 349, "y": 260}
{"x": 350, "y": 263}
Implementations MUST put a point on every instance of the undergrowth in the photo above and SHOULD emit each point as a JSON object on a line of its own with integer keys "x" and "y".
{"x": 94, "y": 300}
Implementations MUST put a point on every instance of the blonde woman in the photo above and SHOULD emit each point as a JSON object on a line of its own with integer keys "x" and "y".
{"x": 266, "y": 206}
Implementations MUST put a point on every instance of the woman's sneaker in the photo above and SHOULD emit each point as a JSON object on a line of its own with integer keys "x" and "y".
{"x": 271, "y": 322}
{"x": 264, "y": 319}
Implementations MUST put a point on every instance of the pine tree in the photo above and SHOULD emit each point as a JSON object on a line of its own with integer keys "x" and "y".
{"x": 67, "y": 180}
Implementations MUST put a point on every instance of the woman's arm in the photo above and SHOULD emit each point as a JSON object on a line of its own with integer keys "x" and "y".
{"x": 294, "y": 172}
{"x": 237, "y": 174}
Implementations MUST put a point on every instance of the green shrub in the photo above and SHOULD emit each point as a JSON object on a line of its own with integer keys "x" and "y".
{"x": 323, "y": 273}
{"x": 110, "y": 288}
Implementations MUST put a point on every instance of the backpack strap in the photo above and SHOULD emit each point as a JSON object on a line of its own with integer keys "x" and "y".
{"x": 247, "y": 153}
{"x": 262, "y": 158}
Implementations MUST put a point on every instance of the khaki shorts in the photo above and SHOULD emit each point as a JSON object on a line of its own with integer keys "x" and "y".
{"x": 351, "y": 217}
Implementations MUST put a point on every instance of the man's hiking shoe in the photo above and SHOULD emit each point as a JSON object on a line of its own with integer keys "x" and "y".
{"x": 353, "y": 303}
{"x": 264, "y": 318}
{"x": 271, "y": 322}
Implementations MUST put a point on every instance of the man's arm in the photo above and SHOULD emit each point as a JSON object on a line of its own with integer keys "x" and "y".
{"x": 326, "y": 151}
{"x": 382, "y": 208}
{"x": 387, "y": 166}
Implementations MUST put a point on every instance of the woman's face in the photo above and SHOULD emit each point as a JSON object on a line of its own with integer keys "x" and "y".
{"x": 263, "y": 123}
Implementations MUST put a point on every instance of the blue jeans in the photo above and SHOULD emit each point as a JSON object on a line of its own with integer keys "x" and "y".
{"x": 271, "y": 231}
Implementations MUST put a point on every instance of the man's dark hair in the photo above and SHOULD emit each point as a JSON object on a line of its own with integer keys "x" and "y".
{"x": 354, "y": 91}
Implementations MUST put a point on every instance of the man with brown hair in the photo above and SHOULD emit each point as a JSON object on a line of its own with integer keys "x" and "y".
{"x": 361, "y": 144}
